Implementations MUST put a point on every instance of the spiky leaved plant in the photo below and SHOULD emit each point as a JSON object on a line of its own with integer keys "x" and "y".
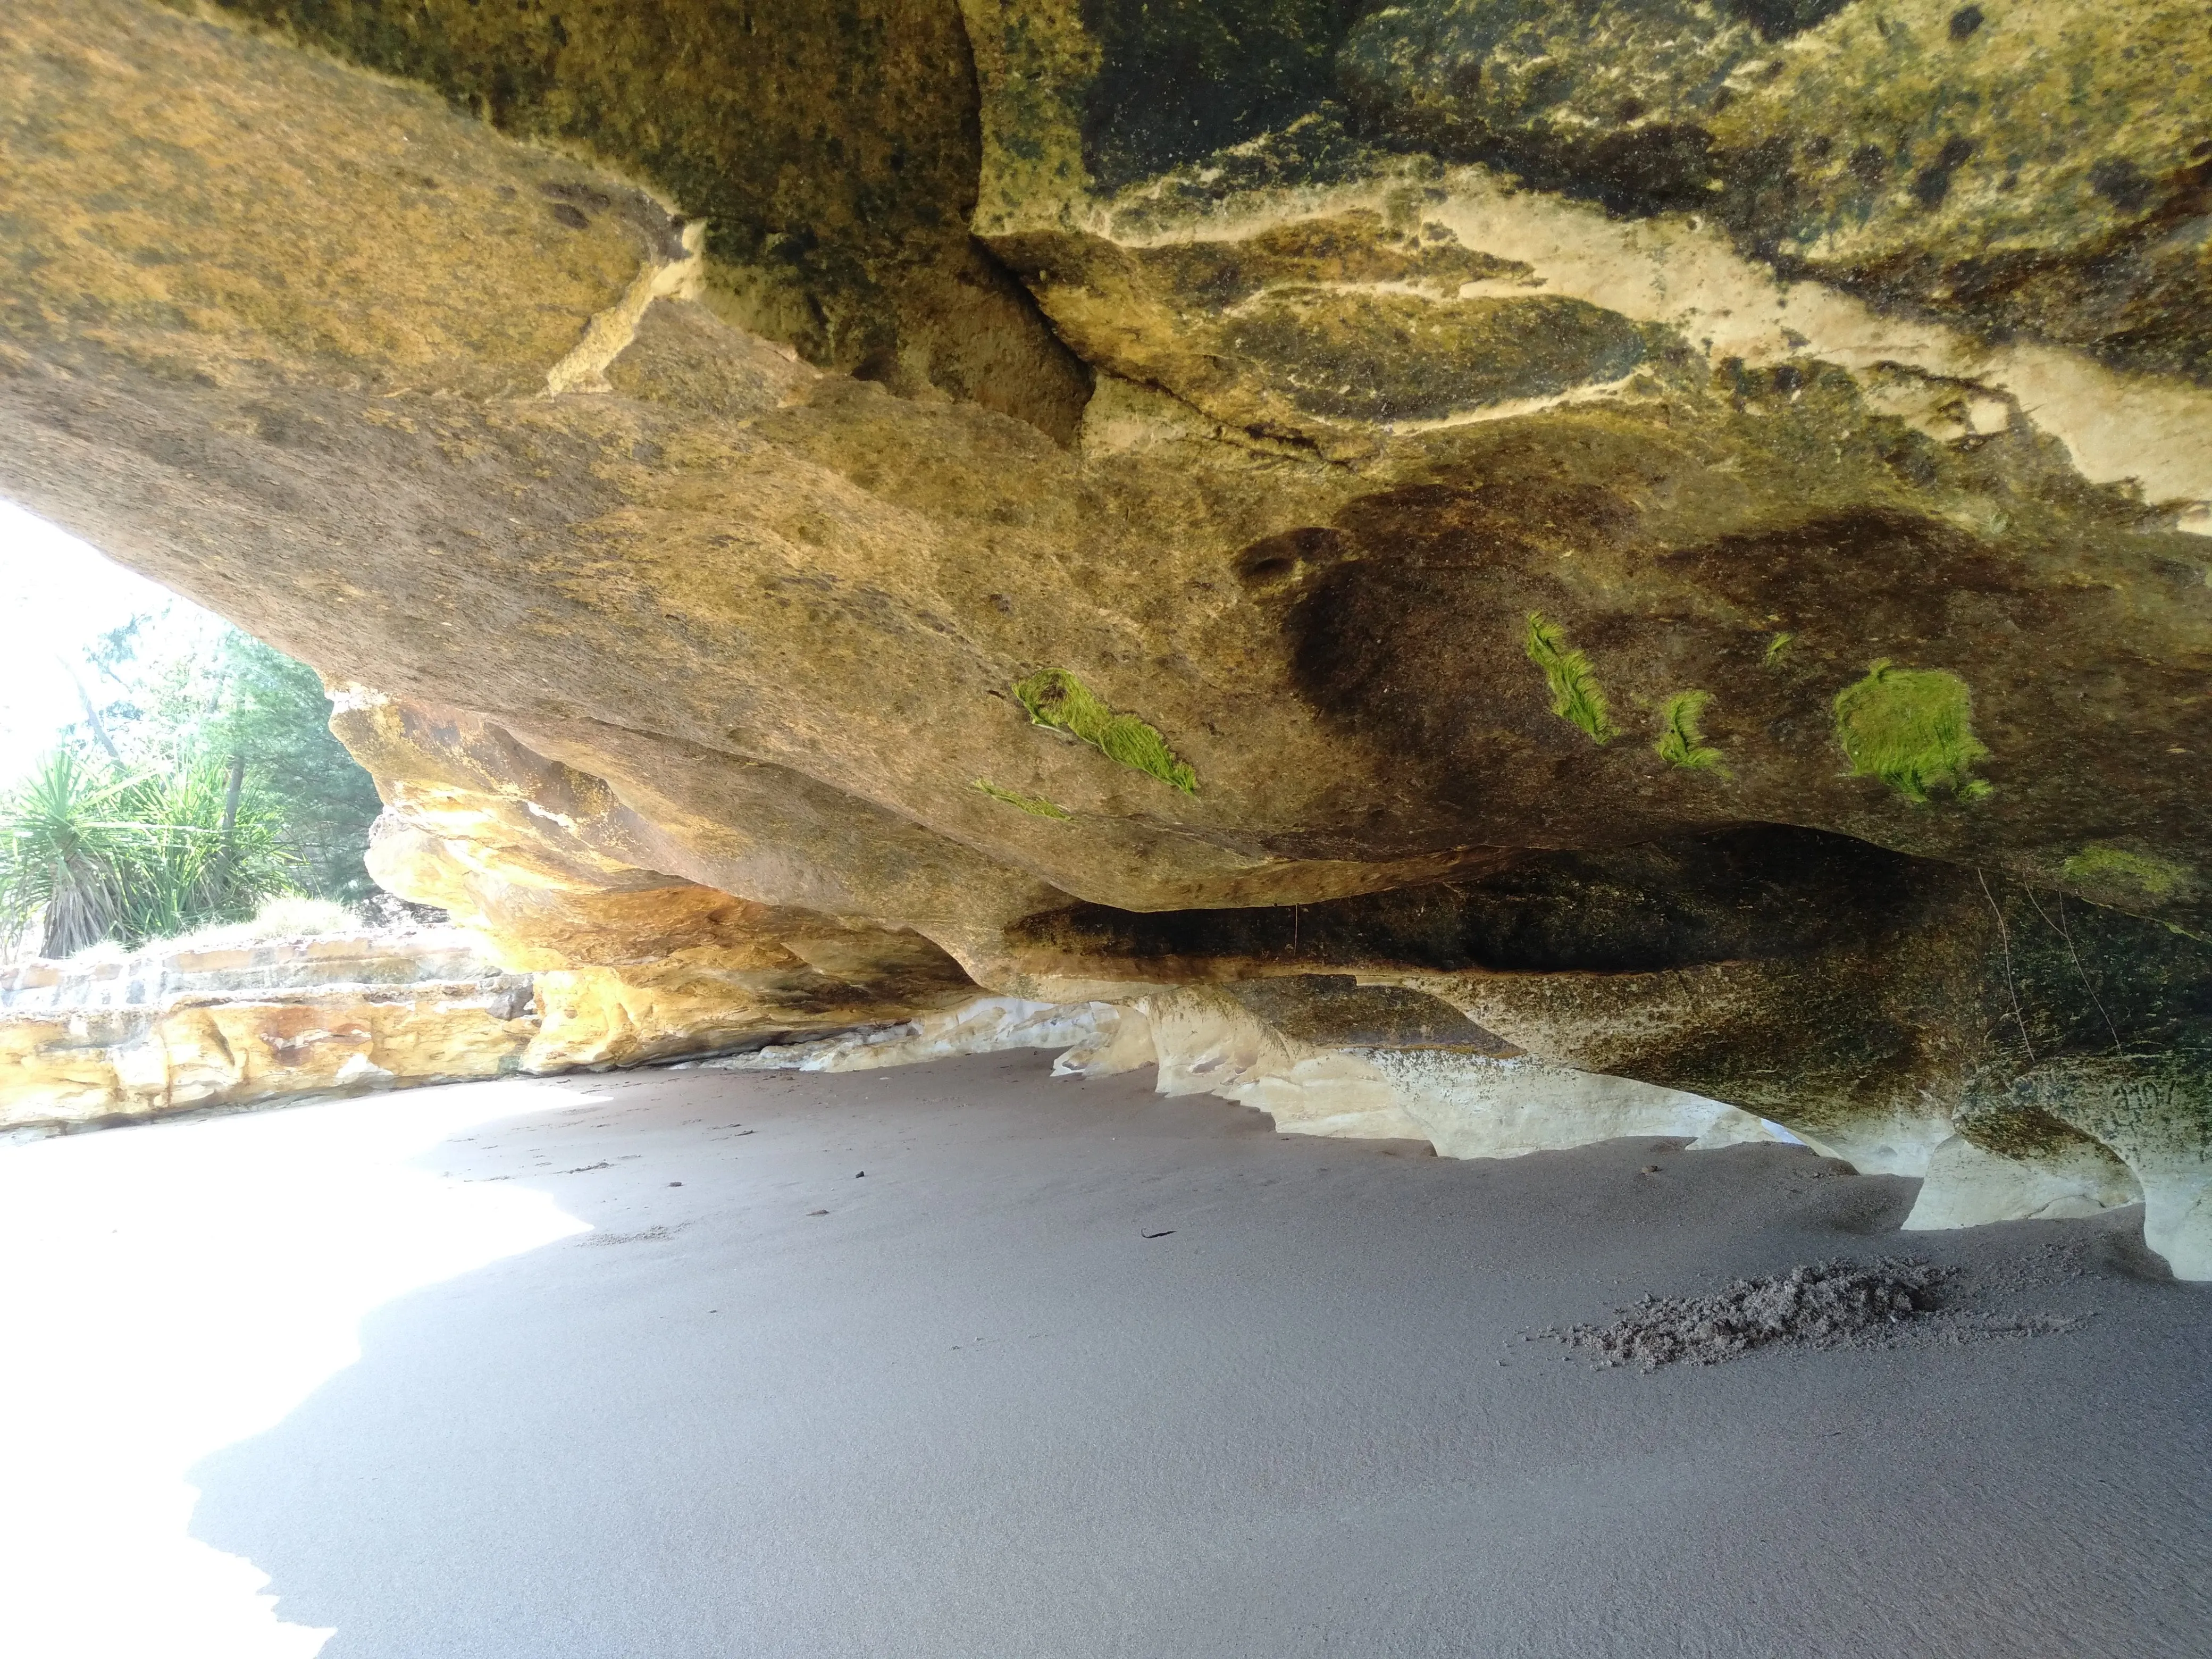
{"x": 102, "y": 855}
{"x": 61, "y": 854}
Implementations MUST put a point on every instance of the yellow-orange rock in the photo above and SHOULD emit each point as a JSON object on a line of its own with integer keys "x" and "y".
{"x": 631, "y": 964}
{"x": 164, "y": 1032}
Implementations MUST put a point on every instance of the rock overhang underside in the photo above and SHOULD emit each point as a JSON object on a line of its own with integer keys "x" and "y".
{"x": 1450, "y": 559}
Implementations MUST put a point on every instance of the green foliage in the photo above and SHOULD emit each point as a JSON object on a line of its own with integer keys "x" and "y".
{"x": 1913, "y": 729}
{"x": 1056, "y": 698}
{"x": 57, "y": 856}
{"x": 1575, "y": 697}
{"x": 275, "y": 712}
{"x": 1681, "y": 743}
{"x": 2099, "y": 864}
{"x": 107, "y": 855}
{"x": 178, "y": 698}
{"x": 1036, "y": 805}
{"x": 1778, "y": 648}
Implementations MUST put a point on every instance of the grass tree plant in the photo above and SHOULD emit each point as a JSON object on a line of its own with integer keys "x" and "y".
{"x": 94, "y": 852}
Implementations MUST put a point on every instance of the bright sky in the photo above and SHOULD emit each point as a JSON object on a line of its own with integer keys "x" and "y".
{"x": 57, "y": 595}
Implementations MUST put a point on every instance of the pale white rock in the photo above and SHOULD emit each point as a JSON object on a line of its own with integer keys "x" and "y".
{"x": 1899, "y": 1145}
{"x": 1121, "y": 1042}
{"x": 1967, "y": 1186}
{"x": 1328, "y": 1093}
{"x": 987, "y": 1025}
{"x": 1207, "y": 1043}
{"x": 2149, "y": 1117}
{"x": 2178, "y": 1221}
{"x": 1469, "y": 1106}
{"x": 1204, "y": 1042}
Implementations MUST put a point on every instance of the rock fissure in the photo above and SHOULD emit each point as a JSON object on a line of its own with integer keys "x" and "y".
{"x": 614, "y": 330}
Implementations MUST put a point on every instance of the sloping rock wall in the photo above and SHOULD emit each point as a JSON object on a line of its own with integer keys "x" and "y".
{"x": 1677, "y": 533}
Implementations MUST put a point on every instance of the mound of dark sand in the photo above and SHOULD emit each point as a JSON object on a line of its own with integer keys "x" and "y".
{"x": 1828, "y": 1304}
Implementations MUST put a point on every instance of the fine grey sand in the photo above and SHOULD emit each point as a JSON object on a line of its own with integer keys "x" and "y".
{"x": 1071, "y": 1369}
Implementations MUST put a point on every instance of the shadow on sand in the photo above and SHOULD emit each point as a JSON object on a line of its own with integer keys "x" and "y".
{"x": 957, "y": 1362}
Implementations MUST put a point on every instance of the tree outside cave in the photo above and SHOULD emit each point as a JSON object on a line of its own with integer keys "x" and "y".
{"x": 191, "y": 778}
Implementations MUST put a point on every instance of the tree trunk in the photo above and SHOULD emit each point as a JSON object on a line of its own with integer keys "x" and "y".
{"x": 91, "y": 714}
{"x": 230, "y": 798}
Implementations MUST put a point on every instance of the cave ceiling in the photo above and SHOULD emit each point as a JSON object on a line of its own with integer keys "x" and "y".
{"x": 1678, "y": 532}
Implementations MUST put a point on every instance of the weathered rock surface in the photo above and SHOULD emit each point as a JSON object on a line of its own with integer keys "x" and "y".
{"x": 1670, "y": 537}
{"x": 95, "y": 1041}
{"x": 631, "y": 963}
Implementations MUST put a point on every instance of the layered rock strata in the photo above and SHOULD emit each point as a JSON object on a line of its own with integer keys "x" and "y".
{"x": 93, "y": 1042}
{"x": 1673, "y": 537}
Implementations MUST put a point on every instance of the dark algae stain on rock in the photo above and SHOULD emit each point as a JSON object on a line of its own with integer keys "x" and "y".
{"x": 1179, "y": 79}
{"x": 1604, "y": 100}
{"x": 1393, "y": 357}
{"x": 863, "y": 134}
{"x": 1756, "y": 894}
{"x": 1823, "y": 157}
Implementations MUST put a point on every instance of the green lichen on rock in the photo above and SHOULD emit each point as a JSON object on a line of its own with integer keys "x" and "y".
{"x": 1036, "y": 805}
{"x": 1913, "y": 729}
{"x": 1575, "y": 696}
{"x": 2099, "y": 865}
{"x": 1055, "y": 698}
{"x": 1681, "y": 744}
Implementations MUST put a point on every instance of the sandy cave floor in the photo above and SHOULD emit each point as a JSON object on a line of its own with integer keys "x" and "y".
{"x": 1070, "y": 1371}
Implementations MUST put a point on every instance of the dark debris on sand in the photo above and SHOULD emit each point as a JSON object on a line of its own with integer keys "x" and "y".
{"x": 1825, "y": 1304}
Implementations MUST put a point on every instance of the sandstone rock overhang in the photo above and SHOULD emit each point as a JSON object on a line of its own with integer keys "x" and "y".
{"x": 1675, "y": 532}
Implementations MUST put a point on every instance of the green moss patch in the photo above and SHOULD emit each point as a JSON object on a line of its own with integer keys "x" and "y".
{"x": 1913, "y": 729}
{"x": 2104, "y": 866}
{"x": 1056, "y": 698}
{"x": 1036, "y": 805}
{"x": 1575, "y": 697}
{"x": 1681, "y": 743}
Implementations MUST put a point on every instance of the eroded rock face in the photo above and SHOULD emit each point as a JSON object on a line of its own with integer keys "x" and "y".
{"x": 1672, "y": 536}
{"x": 551, "y": 869}
{"x": 98, "y": 1041}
